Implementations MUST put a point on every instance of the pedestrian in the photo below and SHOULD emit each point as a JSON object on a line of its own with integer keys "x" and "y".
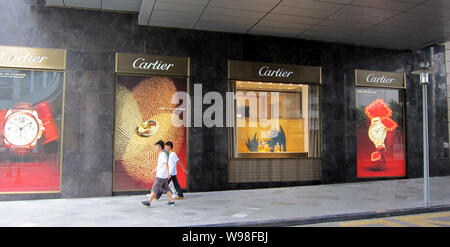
{"x": 162, "y": 176}
{"x": 171, "y": 186}
{"x": 173, "y": 162}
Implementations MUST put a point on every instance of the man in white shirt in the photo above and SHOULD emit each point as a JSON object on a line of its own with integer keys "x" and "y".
{"x": 173, "y": 161}
{"x": 162, "y": 177}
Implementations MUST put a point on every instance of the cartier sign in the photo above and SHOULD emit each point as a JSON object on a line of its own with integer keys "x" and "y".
{"x": 267, "y": 71}
{"x": 149, "y": 64}
{"x": 32, "y": 58}
{"x": 254, "y": 71}
{"x": 369, "y": 78}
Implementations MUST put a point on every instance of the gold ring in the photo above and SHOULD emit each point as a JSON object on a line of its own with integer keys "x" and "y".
{"x": 147, "y": 128}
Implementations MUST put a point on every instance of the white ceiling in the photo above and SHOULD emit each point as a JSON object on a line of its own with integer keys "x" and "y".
{"x": 400, "y": 24}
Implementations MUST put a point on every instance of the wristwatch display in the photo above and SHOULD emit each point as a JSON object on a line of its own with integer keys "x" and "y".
{"x": 379, "y": 114}
{"x": 23, "y": 126}
{"x": 377, "y": 133}
{"x": 31, "y": 121}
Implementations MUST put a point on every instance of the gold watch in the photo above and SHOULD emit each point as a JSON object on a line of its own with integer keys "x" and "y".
{"x": 377, "y": 132}
{"x": 22, "y": 128}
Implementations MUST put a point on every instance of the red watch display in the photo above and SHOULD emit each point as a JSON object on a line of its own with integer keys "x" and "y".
{"x": 51, "y": 129}
{"x": 382, "y": 125}
{"x": 23, "y": 126}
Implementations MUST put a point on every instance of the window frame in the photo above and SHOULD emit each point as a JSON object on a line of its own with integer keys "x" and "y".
{"x": 234, "y": 154}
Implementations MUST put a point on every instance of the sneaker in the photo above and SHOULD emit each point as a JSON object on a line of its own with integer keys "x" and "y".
{"x": 179, "y": 198}
{"x": 171, "y": 204}
{"x": 146, "y": 203}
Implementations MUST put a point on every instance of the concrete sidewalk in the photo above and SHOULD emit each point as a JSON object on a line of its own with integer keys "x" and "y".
{"x": 261, "y": 207}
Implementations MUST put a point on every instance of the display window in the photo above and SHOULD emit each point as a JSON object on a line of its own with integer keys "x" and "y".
{"x": 143, "y": 116}
{"x": 31, "y": 115}
{"x": 380, "y": 128}
{"x": 285, "y": 120}
{"x": 380, "y": 133}
{"x": 276, "y": 110}
{"x": 31, "y": 119}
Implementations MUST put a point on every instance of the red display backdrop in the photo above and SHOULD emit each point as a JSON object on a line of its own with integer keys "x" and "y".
{"x": 380, "y": 133}
{"x": 140, "y": 99}
{"x": 31, "y": 113}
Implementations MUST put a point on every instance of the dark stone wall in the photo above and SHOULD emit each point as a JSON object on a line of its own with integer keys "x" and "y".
{"x": 92, "y": 38}
{"x": 437, "y": 117}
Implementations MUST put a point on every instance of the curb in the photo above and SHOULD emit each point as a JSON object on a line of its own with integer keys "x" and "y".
{"x": 332, "y": 217}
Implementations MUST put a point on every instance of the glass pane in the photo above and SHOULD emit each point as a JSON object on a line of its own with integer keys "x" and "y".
{"x": 380, "y": 133}
{"x": 277, "y": 118}
{"x": 144, "y": 102}
{"x": 31, "y": 109}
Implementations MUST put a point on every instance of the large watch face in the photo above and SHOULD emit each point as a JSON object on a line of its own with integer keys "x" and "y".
{"x": 377, "y": 132}
{"x": 21, "y": 129}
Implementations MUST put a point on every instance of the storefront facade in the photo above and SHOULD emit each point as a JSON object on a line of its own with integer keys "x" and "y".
{"x": 329, "y": 144}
